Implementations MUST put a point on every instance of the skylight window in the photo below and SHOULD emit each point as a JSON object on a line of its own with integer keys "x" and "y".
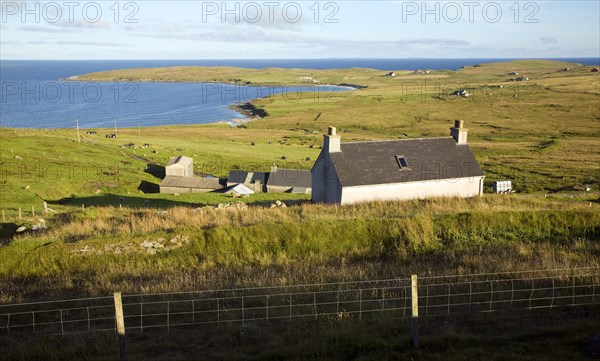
{"x": 401, "y": 162}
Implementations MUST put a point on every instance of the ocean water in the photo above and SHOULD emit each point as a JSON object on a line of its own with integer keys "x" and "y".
{"x": 32, "y": 94}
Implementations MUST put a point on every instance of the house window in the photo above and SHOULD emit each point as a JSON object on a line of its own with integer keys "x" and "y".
{"x": 401, "y": 162}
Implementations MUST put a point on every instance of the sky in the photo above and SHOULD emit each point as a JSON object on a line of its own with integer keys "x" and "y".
{"x": 155, "y": 29}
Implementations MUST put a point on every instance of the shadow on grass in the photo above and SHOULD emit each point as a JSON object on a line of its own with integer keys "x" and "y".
{"x": 7, "y": 232}
{"x": 125, "y": 201}
{"x": 148, "y": 187}
{"x": 115, "y": 200}
{"x": 156, "y": 170}
{"x": 61, "y": 201}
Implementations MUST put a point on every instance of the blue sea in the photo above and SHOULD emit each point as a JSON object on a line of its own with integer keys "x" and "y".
{"x": 34, "y": 95}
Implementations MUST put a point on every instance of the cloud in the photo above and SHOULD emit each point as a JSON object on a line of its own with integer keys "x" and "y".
{"x": 82, "y": 24}
{"x": 429, "y": 41}
{"x": 80, "y": 43}
{"x": 160, "y": 26}
{"x": 258, "y": 35}
{"x": 66, "y": 26}
{"x": 95, "y": 43}
{"x": 546, "y": 40}
{"x": 265, "y": 19}
{"x": 22, "y": 43}
{"x": 45, "y": 29}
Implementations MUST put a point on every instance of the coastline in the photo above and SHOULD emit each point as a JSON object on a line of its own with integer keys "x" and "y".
{"x": 247, "y": 83}
{"x": 245, "y": 108}
{"x": 249, "y": 110}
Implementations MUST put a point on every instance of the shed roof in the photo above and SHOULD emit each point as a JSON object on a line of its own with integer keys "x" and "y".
{"x": 239, "y": 189}
{"x": 368, "y": 163}
{"x": 182, "y": 159}
{"x": 290, "y": 178}
{"x": 240, "y": 176}
{"x": 191, "y": 182}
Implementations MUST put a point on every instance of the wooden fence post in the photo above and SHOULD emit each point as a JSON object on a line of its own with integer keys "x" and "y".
{"x": 120, "y": 326}
{"x": 19, "y": 212}
{"x": 415, "y": 311}
{"x": 32, "y": 211}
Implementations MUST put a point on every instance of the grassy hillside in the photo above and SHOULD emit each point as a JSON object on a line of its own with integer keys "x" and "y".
{"x": 102, "y": 171}
{"x": 110, "y": 234}
{"x": 542, "y": 133}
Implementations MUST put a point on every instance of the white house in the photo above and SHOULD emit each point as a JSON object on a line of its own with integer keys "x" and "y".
{"x": 396, "y": 170}
{"x": 181, "y": 166}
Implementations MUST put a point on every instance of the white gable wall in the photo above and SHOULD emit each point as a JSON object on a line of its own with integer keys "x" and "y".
{"x": 461, "y": 187}
{"x": 181, "y": 170}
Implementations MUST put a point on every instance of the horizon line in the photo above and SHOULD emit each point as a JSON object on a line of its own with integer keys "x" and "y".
{"x": 331, "y": 58}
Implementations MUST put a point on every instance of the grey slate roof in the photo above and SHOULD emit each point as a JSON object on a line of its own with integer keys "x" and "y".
{"x": 290, "y": 178}
{"x": 239, "y": 176}
{"x": 367, "y": 163}
{"x": 192, "y": 182}
{"x": 182, "y": 159}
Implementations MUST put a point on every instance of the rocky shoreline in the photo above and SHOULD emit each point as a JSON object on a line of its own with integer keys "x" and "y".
{"x": 250, "y": 110}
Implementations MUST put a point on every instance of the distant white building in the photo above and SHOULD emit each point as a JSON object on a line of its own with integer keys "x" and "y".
{"x": 396, "y": 170}
{"x": 181, "y": 166}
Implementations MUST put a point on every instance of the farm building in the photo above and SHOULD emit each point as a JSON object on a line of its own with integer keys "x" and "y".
{"x": 176, "y": 184}
{"x": 256, "y": 181}
{"x": 289, "y": 181}
{"x": 181, "y": 166}
{"x": 399, "y": 169}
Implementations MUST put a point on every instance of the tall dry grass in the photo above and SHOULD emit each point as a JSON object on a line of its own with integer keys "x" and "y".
{"x": 111, "y": 221}
{"x": 306, "y": 243}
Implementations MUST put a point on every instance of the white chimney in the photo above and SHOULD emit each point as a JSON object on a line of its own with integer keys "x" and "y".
{"x": 331, "y": 141}
{"x": 458, "y": 132}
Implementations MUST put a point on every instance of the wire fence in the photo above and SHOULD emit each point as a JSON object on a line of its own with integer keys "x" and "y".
{"x": 437, "y": 296}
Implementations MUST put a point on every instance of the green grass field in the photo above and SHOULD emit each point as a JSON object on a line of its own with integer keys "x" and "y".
{"x": 543, "y": 134}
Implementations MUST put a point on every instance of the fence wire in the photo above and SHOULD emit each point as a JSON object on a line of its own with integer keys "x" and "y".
{"x": 438, "y": 296}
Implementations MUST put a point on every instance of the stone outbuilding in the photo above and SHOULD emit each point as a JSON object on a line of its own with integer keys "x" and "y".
{"x": 177, "y": 184}
{"x": 290, "y": 181}
{"x": 181, "y": 166}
